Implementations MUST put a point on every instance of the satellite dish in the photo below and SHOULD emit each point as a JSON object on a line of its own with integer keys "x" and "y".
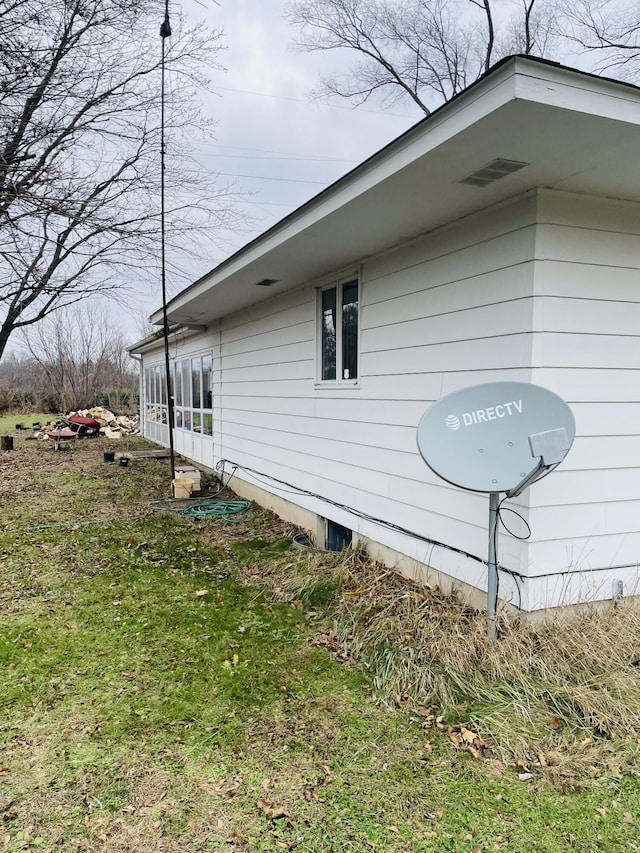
{"x": 498, "y": 437}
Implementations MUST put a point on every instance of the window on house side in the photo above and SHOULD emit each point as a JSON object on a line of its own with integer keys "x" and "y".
{"x": 329, "y": 333}
{"x": 207, "y": 379}
{"x": 196, "y": 382}
{"x": 193, "y": 383}
{"x": 156, "y": 395}
{"x": 339, "y": 332}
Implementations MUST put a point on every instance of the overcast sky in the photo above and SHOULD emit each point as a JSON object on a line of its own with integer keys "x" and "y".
{"x": 285, "y": 146}
{"x": 276, "y": 143}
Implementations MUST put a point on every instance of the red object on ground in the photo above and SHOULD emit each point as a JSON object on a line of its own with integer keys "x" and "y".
{"x": 58, "y": 436}
{"x": 89, "y": 423}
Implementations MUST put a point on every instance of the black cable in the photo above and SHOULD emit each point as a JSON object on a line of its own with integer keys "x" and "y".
{"x": 522, "y": 538}
{"x": 289, "y": 487}
{"x": 358, "y": 513}
{"x": 517, "y": 576}
{"x": 499, "y": 520}
{"x": 519, "y": 515}
{"x": 494, "y": 534}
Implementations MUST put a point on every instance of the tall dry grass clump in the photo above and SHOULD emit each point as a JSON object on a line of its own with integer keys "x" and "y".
{"x": 575, "y": 677}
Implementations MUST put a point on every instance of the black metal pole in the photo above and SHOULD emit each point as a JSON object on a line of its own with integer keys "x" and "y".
{"x": 165, "y": 32}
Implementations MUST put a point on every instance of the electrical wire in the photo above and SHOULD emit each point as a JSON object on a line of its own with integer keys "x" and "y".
{"x": 230, "y": 510}
{"x": 269, "y": 178}
{"x": 352, "y": 510}
{"x": 518, "y": 577}
{"x": 499, "y": 520}
{"x": 521, "y": 537}
{"x": 294, "y": 158}
{"x": 288, "y": 155}
{"x": 254, "y": 93}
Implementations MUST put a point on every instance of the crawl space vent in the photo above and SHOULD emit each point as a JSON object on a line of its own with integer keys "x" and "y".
{"x": 493, "y": 172}
{"x": 337, "y": 537}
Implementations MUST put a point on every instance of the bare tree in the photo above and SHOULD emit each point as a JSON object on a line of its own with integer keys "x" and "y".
{"x": 79, "y": 150}
{"x": 608, "y": 31}
{"x": 424, "y": 50}
{"x": 533, "y": 30}
{"x": 82, "y": 357}
{"x": 427, "y": 50}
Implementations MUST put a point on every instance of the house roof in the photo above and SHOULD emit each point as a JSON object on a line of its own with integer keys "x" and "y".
{"x": 576, "y": 132}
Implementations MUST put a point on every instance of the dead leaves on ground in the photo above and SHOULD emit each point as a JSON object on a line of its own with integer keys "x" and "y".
{"x": 272, "y": 812}
{"x": 567, "y": 765}
{"x": 462, "y": 737}
{"x": 340, "y": 651}
{"x": 311, "y": 790}
{"x": 228, "y": 790}
{"x": 627, "y": 817}
{"x": 266, "y": 804}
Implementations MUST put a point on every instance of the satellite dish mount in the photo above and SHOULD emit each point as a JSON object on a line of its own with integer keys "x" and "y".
{"x": 498, "y": 438}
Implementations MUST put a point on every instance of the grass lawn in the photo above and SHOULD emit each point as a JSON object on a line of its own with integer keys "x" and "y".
{"x": 164, "y": 689}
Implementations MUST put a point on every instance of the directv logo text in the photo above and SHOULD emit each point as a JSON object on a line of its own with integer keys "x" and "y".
{"x": 483, "y": 416}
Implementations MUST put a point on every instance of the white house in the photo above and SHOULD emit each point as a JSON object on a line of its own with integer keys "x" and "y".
{"x": 498, "y": 239}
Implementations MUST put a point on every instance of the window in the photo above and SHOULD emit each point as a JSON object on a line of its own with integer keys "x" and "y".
{"x": 337, "y": 537}
{"x": 155, "y": 389}
{"x": 193, "y": 385}
{"x": 207, "y": 367}
{"x": 196, "y": 382}
{"x": 339, "y": 332}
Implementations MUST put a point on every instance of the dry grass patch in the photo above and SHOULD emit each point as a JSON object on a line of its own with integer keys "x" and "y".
{"x": 557, "y": 696}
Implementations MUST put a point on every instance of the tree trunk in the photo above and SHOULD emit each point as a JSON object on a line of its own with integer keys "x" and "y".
{"x": 5, "y": 332}
{"x": 6, "y": 442}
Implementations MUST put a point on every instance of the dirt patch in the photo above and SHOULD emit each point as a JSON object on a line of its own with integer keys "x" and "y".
{"x": 21, "y": 469}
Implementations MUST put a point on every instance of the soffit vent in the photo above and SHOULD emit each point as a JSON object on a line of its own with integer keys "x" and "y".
{"x": 267, "y": 282}
{"x": 493, "y": 172}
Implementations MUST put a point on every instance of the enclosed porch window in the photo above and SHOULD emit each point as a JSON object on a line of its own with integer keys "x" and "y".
{"x": 193, "y": 392}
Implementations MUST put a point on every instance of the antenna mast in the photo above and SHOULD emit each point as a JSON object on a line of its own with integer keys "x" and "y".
{"x": 165, "y": 32}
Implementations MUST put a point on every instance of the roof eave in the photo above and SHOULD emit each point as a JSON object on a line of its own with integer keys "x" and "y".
{"x": 514, "y": 78}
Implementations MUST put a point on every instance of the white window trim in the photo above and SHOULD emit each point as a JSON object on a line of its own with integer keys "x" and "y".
{"x": 328, "y": 284}
{"x": 190, "y": 409}
{"x": 155, "y": 410}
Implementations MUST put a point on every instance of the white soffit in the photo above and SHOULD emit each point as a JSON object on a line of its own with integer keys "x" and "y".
{"x": 579, "y": 134}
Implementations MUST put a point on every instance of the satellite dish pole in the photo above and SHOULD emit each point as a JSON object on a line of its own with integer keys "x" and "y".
{"x": 499, "y": 437}
{"x": 492, "y": 566}
{"x": 165, "y": 32}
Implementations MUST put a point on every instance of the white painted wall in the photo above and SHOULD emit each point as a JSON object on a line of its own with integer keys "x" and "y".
{"x": 587, "y": 349}
{"x": 450, "y": 310}
{"x": 492, "y": 297}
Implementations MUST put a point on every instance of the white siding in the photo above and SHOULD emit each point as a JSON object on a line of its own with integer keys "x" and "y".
{"x": 587, "y": 349}
{"x": 449, "y": 310}
{"x": 542, "y": 289}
